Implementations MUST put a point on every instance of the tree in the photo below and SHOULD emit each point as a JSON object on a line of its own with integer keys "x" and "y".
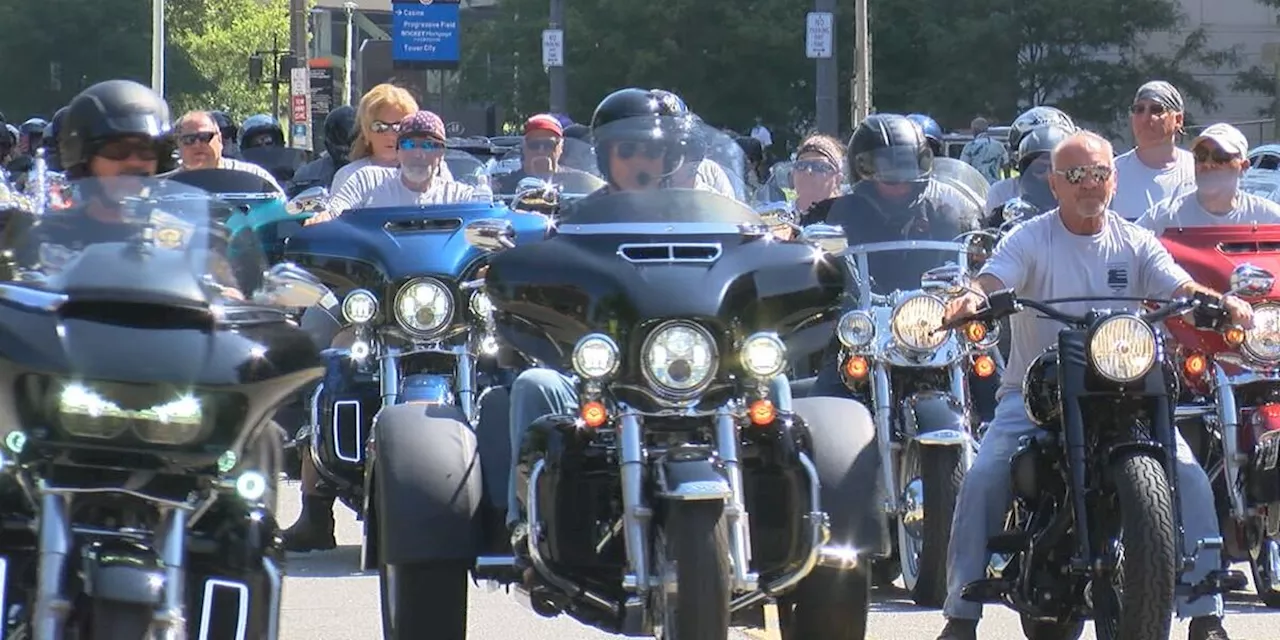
{"x": 1260, "y": 79}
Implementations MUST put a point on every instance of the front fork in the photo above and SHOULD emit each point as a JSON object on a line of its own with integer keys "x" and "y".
{"x": 464, "y": 382}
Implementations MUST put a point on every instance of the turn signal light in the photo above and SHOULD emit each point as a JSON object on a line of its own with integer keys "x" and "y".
{"x": 1234, "y": 336}
{"x": 1195, "y": 365}
{"x": 984, "y": 366}
{"x": 856, "y": 367}
{"x": 594, "y": 414}
{"x": 762, "y": 413}
{"x": 975, "y": 331}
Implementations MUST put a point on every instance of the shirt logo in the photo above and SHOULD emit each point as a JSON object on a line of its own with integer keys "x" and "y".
{"x": 1117, "y": 277}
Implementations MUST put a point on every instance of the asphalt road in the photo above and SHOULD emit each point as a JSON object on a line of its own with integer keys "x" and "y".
{"x": 327, "y": 598}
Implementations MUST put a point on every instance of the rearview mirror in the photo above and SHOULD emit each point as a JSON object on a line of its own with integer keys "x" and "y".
{"x": 777, "y": 213}
{"x": 947, "y": 279}
{"x": 489, "y": 234}
{"x": 1249, "y": 281}
{"x": 288, "y": 285}
{"x": 313, "y": 200}
{"x": 829, "y": 238}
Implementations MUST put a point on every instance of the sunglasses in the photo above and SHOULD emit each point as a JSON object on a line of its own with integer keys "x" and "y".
{"x": 1205, "y": 155}
{"x": 542, "y": 144}
{"x": 379, "y": 126}
{"x": 409, "y": 144}
{"x": 817, "y": 167}
{"x": 121, "y": 151}
{"x": 629, "y": 150}
{"x": 1153, "y": 109}
{"x": 203, "y": 137}
{"x": 1076, "y": 175}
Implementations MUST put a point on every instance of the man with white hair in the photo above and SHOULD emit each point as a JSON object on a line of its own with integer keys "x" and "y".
{"x": 1080, "y": 250}
{"x": 1221, "y": 157}
{"x": 1156, "y": 168}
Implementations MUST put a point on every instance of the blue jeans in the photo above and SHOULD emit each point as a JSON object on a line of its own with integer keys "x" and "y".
{"x": 542, "y": 392}
{"x": 986, "y": 495}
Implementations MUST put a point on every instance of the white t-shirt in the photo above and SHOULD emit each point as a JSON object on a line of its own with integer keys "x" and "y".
{"x": 392, "y": 193}
{"x": 1042, "y": 260}
{"x": 351, "y": 168}
{"x": 1001, "y": 192}
{"x": 1139, "y": 187}
{"x": 1186, "y": 211}
{"x": 761, "y": 133}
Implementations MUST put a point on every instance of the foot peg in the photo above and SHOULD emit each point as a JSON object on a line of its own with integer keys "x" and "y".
{"x": 1217, "y": 582}
{"x": 985, "y": 591}
{"x": 1008, "y": 542}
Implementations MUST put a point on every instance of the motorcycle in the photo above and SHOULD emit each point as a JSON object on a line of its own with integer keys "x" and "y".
{"x": 139, "y": 492}
{"x": 261, "y": 209}
{"x": 681, "y": 489}
{"x": 1230, "y": 409}
{"x": 412, "y": 328}
{"x": 576, "y": 176}
{"x": 1101, "y": 480}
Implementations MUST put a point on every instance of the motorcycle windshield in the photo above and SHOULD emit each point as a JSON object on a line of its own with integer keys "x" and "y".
{"x": 648, "y": 152}
{"x": 134, "y": 240}
{"x": 573, "y": 161}
{"x": 962, "y": 176}
{"x": 229, "y": 184}
{"x": 467, "y": 168}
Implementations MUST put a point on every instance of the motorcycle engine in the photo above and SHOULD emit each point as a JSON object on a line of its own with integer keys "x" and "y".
{"x": 1040, "y": 391}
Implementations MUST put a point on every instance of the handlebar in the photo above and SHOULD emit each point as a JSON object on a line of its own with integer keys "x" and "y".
{"x": 1208, "y": 312}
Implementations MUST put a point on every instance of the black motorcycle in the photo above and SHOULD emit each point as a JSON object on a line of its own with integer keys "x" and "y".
{"x": 1093, "y": 530}
{"x": 143, "y": 361}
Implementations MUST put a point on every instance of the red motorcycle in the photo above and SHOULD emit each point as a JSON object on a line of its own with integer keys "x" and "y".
{"x": 1229, "y": 410}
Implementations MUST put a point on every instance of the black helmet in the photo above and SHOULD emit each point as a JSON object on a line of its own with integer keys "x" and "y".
{"x": 339, "y": 130}
{"x": 639, "y": 115}
{"x": 578, "y": 132}
{"x": 257, "y": 125}
{"x": 50, "y": 139}
{"x": 107, "y": 110}
{"x": 1036, "y": 117}
{"x": 888, "y": 147}
{"x": 1039, "y": 141}
{"x": 227, "y": 126}
{"x": 31, "y": 132}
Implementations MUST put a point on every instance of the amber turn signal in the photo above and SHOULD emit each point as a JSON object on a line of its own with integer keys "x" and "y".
{"x": 1234, "y": 336}
{"x": 594, "y": 414}
{"x": 1195, "y": 365}
{"x": 975, "y": 331}
{"x": 762, "y": 413}
{"x": 984, "y": 366}
{"x": 856, "y": 367}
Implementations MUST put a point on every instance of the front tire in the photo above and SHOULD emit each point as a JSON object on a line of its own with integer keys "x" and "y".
{"x": 424, "y": 600}
{"x": 923, "y": 556}
{"x": 828, "y": 604}
{"x": 1262, "y": 575}
{"x": 696, "y": 546}
{"x": 1136, "y": 605}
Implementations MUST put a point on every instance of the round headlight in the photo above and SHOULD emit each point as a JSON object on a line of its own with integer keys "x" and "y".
{"x": 1123, "y": 348}
{"x": 856, "y": 329}
{"x": 596, "y": 356}
{"x": 424, "y": 306}
{"x": 481, "y": 305}
{"x": 679, "y": 358}
{"x": 1263, "y": 340}
{"x": 764, "y": 355}
{"x": 359, "y": 306}
{"x": 916, "y": 322}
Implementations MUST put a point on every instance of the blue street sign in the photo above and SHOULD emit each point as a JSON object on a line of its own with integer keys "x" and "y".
{"x": 424, "y": 33}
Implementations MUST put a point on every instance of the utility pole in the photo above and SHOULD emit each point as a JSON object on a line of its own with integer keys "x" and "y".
{"x": 348, "y": 62}
{"x": 820, "y": 44}
{"x": 861, "y": 104}
{"x": 157, "y": 47}
{"x": 257, "y": 71}
{"x": 559, "y": 92}
{"x": 298, "y": 12}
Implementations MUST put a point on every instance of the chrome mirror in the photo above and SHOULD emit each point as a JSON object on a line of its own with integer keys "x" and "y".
{"x": 313, "y": 200}
{"x": 777, "y": 213}
{"x": 489, "y": 234}
{"x": 829, "y": 238}
{"x": 948, "y": 279}
{"x": 1251, "y": 282}
{"x": 288, "y": 285}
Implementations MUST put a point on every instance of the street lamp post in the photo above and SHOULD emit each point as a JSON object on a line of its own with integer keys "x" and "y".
{"x": 351, "y": 34}
{"x": 157, "y": 46}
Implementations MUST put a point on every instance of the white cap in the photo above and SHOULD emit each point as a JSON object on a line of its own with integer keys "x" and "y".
{"x": 1226, "y": 136}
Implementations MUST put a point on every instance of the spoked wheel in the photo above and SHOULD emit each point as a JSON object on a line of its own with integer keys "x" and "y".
{"x": 693, "y": 556}
{"x": 931, "y": 478}
{"x": 1135, "y": 603}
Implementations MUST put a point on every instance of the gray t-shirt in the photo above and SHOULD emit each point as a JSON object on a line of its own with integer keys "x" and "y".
{"x": 1186, "y": 211}
{"x": 340, "y": 178}
{"x": 1139, "y": 187}
{"x": 370, "y": 188}
{"x": 1042, "y": 260}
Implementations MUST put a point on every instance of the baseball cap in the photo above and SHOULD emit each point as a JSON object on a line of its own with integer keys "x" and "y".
{"x": 544, "y": 122}
{"x": 422, "y": 123}
{"x": 1226, "y": 136}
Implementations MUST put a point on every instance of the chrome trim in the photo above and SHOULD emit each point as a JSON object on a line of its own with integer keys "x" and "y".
{"x": 673, "y": 394}
{"x": 171, "y": 546}
{"x": 635, "y": 513}
{"x": 534, "y": 541}
{"x": 389, "y": 376}
{"x": 464, "y": 383}
{"x": 51, "y": 606}
{"x": 206, "y": 609}
{"x": 880, "y": 415}
{"x": 735, "y": 510}
{"x": 671, "y": 252}
{"x": 1228, "y": 418}
{"x": 657, "y": 228}
{"x": 1271, "y": 549}
{"x": 356, "y": 457}
{"x": 29, "y": 298}
{"x": 444, "y": 327}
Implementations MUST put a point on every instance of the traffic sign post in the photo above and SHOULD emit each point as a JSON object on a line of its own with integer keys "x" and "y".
{"x": 819, "y": 27}
{"x": 552, "y": 48}
{"x": 820, "y": 45}
{"x": 300, "y": 108}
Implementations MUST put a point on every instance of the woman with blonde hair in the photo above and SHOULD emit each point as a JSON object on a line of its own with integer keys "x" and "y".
{"x": 378, "y": 117}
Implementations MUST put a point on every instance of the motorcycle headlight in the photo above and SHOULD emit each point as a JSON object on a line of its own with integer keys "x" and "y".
{"x": 424, "y": 306}
{"x": 679, "y": 358}
{"x": 1263, "y": 340}
{"x": 1123, "y": 348}
{"x": 359, "y": 306}
{"x": 481, "y": 305}
{"x": 85, "y": 413}
{"x": 856, "y": 329}
{"x": 596, "y": 356}
{"x": 916, "y": 322}
{"x": 764, "y": 355}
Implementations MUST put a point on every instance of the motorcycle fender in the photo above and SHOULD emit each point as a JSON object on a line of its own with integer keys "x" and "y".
{"x": 935, "y": 419}
{"x": 692, "y": 479}
{"x": 1153, "y": 448}
{"x": 127, "y": 576}
{"x": 848, "y": 464}
{"x": 427, "y": 388}
{"x": 427, "y": 486}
